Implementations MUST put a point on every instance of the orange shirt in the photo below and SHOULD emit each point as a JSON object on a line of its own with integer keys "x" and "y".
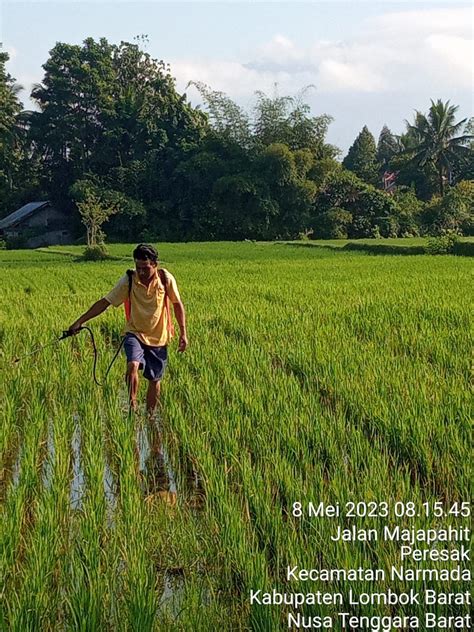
{"x": 148, "y": 317}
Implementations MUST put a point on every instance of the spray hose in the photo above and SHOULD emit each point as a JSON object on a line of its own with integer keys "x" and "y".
{"x": 67, "y": 334}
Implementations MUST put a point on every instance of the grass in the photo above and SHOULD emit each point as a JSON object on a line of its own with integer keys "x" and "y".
{"x": 312, "y": 375}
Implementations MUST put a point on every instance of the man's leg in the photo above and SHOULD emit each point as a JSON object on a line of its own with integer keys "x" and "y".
{"x": 131, "y": 378}
{"x": 155, "y": 364}
{"x": 152, "y": 396}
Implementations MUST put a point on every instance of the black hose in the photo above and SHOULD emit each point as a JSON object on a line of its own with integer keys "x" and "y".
{"x": 66, "y": 334}
{"x": 94, "y": 373}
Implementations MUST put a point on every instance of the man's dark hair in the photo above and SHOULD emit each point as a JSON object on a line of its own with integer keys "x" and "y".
{"x": 145, "y": 251}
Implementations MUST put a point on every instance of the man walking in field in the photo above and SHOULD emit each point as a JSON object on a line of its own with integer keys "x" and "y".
{"x": 146, "y": 293}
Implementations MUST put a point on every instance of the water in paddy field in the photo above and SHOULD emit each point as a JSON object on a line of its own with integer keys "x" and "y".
{"x": 78, "y": 479}
{"x": 10, "y": 470}
{"x": 158, "y": 479}
{"x": 173, "y": 594}
{"x": 172, "y": 597}
{"x": 17, "y": 468}
{"x": 48, "y": 461}
{"x": 110, "y": 492}
{"x": 157, "y": 476}
{"x": 194, "y": 487}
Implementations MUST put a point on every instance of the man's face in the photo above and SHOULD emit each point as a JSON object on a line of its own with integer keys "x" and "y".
{"x": 145, "y": 269}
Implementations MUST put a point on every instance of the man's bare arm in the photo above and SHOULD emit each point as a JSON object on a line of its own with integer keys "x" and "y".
{"x": 96, "y": 309}
{"x": 181, "y": 319}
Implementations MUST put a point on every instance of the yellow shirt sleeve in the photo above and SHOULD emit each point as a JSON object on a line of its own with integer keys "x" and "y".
{"x": 119, "y": 293}
{"x": 172, "y": 287}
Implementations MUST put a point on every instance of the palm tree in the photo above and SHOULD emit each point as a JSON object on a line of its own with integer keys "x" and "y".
{"x": 10, "y": 128}
{"x": 433, "y": 140}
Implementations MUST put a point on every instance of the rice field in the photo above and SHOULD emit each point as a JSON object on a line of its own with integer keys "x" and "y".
{"x": 312, "y": 375}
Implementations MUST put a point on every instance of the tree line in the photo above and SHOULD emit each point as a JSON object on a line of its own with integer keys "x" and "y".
{"x": 111, "y": 136}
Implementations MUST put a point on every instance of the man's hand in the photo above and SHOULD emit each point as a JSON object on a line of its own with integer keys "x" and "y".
{"x": 75, "y": 327}
{"x": 181, "y": 318}
{"x": 183, "y": 343}
{"x": 99, "y": 306}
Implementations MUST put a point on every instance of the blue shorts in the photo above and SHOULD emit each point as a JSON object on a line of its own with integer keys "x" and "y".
{"x": 152, "y": 359}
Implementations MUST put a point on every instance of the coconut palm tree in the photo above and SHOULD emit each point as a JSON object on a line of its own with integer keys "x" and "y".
{"x": 10, "y": 128}
{"x": 433, "y": 140}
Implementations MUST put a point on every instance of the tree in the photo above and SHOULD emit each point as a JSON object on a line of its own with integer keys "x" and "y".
{"x": 333, "y": 224}
{"x": 371, "y": 211}
{"x": 192, "y": 210}
{"x": 100, "y": 192}
{"x": 285, "y": 173}
{"x": 68, "y": 131}
{"x": 361, "y": 158}
{"x": 94, "y": 212}
{"x": 111, "y": 111}
{"x": 453, "y": 212}
{"x": 387, "y": 148}
{"x": 409, "y": 174}
{"x": 435, "y": 141}
{"x": 410, "y": 210}
{"x": 277, "y": 119}
{"x": 226, "y": 118}
{"x": 287, "y": 120}
{"x": 464, "y": 170}
{"x": 245, "y": 206}
{"x": 11, "y": 133}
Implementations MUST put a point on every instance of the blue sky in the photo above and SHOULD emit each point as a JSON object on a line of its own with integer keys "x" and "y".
{"x": 371, "y": 62}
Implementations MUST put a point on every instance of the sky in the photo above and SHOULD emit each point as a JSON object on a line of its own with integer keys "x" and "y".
{"x": 367, "y": 63}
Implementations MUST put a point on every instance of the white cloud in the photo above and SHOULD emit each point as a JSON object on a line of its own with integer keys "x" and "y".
{"x": 454, "y": 54}
{"x": 12, "y": 52}
{"x": 281, "y": 49}
{"x": 343, "y": 75}
{"x": 394, "y": 64}
{"x": 417, "y": 23}
{"x": 430, "y": 50}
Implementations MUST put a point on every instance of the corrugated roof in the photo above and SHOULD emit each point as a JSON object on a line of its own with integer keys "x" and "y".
{"x": 21, "y": 214}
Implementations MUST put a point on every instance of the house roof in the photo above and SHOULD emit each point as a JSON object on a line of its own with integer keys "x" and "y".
{"x": 21, "y": 214}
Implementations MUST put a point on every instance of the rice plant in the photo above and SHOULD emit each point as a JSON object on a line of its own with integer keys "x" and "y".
{"x": 313, "y": 375}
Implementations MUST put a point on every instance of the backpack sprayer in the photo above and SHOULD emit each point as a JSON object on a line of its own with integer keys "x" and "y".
{"x": 67, "y": 334}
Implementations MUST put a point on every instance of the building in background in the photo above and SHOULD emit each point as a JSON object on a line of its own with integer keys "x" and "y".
{"x": 35, "y": 224}
{"x": 389, "y": 181}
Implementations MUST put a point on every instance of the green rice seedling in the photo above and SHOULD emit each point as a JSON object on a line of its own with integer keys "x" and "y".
{"x": 313, "y": 375}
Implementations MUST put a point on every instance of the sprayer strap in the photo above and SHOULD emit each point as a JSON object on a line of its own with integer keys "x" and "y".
{"x": 166, "y": 303}
{"x": 163, "y": 279}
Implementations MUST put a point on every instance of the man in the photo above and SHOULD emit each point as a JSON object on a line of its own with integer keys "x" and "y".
{"x": 149, "y": 326}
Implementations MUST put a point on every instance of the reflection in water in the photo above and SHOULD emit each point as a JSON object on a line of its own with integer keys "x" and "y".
{"x": 195, "y": 494}
{"x": 47, "y": 469}
{"x": 173, "y": 594}
{"x": 77, "y": 483}
{"x": 158, "y": 480}
{"x": 110, "y": 492}
{"x": 17, "y": 468}
{"x": 10, "y": 470}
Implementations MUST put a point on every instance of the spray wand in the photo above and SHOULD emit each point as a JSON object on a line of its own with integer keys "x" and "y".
{"x": 67, "y": 334}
